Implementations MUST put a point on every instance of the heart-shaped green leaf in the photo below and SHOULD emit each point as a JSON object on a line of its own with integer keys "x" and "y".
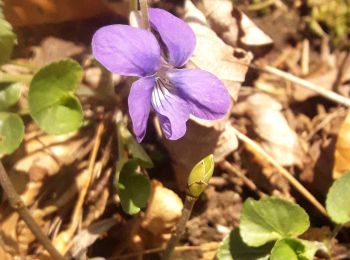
{"x": 52, "y": 102}
{"x": 7, "y": 38}
{"x": 293, "y": 249}
{"x": 134, "y": 189}
{"x": 337, "y": 203}
{"x": 9, "y": 94}
{"x": 11, "y": 132}
{"x": 271, "y": 219}
{"x": 233, "y": 248}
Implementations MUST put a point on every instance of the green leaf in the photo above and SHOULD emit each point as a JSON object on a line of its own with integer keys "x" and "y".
{"x": 9, "y": 94}
{"x": 11, "y": 132}
{"x": 134, "y": 189}
{"x": 52, "y": 102}
{"x": 271, "y": 219}
{"x": 337, "y": 203}
{"x": 7, "y": 38}
{"x": 293, "y": 249}
{"x": 200, "y": 175}
{"x": 134, "y": 148}
{"x": 233, "y": 248}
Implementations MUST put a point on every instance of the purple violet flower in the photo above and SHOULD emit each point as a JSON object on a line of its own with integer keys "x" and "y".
{"x": 173, "y": 93}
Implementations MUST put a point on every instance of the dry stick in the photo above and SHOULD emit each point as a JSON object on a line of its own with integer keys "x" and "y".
{"x": 296, "y": 184}
{"x": 79, "y": 205}
{"x": 306, "y": 84}
{"x": 225, "y": 165}
{"x": 144, "y": 14}
{"x": 180, "y": 227}
{"x": 18, "y": 205}
{"x": 160, "y": 249}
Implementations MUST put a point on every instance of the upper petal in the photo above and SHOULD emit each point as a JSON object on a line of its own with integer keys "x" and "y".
{"x": 139, "y": 103}
{"x": 173, "y": 112}
{"x": 175, "y": 33}
{"x": 126, "y": 50}
{"x": 205, "y": 94}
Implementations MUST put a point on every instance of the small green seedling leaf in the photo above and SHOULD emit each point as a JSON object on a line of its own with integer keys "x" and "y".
{"x": 293, "y": 249}
{"x": 9, "y": 94}
{"x": 271, "y": 219}
{"x": 233, "y": 248}
{"x": 134, "y": 189}
{"x": 11, "y": 132}
{"x": 52, "y": 102}
{"x": 337, "y": 203}
{"x": 200, "y": 176}
{"x": 7, "y": 38}
{"x": 134, "y": 148}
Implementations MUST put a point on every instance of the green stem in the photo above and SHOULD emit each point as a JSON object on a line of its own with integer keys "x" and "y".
{"x": 144, "y": 14}
{"x": 25, "y": 78}
{"x": 17, "y": 204}
{"x": 133, "y": 6}
{"x": 180, "y": 227}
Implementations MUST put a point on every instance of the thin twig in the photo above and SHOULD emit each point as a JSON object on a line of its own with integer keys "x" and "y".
{"x": 180, "y": 227}
{"x": 144, "y": 14}
{"x": 214, "y": 246}
{"x": 77, "y": 212}
{"x": 306, "y": 84}
{"x": 17, "y": 204}
{"x": 295, "y": 183}
{"x": 227, "y": 166}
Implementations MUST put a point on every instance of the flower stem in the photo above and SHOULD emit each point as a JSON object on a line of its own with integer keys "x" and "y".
{"x": 133, "y": 6}
{"x": 144, "y": 14}
{"x": 180, "y": 227}
{"x": 4, "y": 77}
{"x": 17, "y": 204}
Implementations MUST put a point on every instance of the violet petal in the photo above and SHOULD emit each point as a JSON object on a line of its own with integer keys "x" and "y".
{"x": 139, "y": 103}
{"x": 126, "y": 50}
{"x": 175, "y": 33}
{"x": 205, "y": 94}
{"x": 173, "y": 112}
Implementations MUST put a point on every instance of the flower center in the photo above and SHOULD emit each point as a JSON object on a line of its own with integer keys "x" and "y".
{"x": 163, "y": 87}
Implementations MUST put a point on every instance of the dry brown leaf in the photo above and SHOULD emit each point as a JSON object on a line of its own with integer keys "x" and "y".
{"x": 52, "y": 49}
{"x": 253, "y": 36}
{"x": 24, "y": 13}
{"x": 213, "y": 55}
{"x": 277, "y": 138}
{"x": 219, "y": 16}
{"x": 48, "y": 152}
{"x": 87, "y": 237}
{"x": 227, "y": 22}
{"x": 342, "y": 150}
{"x": 8, "y": 231}
{"x": 163, "y": 211}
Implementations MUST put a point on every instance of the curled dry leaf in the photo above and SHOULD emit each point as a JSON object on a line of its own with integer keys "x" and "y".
{"x": 219, "y": 16}
{"x": 277, "y": 138}
{"x": 228, "y": 22}
{"x": 88, "y": 236}
{"x": 252, "y": 35}
{"x": 342, "y": 150}
{"x": 206, "y": 137}
{"x": 213, "y": 55}
{"x": 163, "y": 211}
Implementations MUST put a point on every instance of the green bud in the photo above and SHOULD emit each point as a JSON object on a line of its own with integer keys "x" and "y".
{"x": 200, "y": 176}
